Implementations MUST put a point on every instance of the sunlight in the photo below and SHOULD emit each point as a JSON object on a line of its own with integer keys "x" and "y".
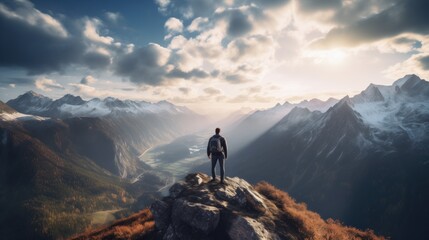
{"x": 334, "y": 56}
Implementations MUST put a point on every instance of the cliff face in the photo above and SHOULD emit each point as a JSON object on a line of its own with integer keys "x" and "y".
{"x": 197, "y": 208}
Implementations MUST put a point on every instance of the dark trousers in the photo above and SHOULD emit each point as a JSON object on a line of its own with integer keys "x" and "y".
{"x": 220, "y": 158}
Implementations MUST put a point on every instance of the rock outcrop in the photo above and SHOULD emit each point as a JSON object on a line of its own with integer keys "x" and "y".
{"x": 198, "y": 208}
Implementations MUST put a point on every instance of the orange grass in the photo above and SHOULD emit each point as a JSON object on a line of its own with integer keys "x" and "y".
{"x": 137, "y": 226}
{"x": 310, "y": 222}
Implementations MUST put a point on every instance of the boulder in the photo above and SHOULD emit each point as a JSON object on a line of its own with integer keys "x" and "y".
{"x": 195, "y": 206}
{"x": 197, "y": 215}
{"x": 246, "y": 228}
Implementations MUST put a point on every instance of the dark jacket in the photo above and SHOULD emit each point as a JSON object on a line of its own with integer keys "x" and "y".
{"x": 222, "y": 143}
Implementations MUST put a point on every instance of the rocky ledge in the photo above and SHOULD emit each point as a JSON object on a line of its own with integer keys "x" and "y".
{"x": 199, "y": 209}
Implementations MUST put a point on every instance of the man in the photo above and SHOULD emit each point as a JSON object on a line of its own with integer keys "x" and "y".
{"x": 217, "y": 151}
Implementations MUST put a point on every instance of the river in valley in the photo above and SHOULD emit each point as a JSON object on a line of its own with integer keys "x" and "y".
{"x": 173, "y": 161}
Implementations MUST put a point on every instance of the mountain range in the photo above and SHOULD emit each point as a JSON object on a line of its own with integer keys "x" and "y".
{"x": 74, "y": 106}
{"x": 66, "y": 161}
{"x": 363, "y": 161}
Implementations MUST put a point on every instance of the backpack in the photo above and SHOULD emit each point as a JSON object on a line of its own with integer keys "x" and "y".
{"x": 215, "y": 145}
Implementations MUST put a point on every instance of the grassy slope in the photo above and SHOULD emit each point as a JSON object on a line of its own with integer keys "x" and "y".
{"x": 137, "y": 226}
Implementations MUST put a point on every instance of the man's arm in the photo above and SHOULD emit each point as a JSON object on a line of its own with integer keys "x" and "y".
{"x": 225, "y": 149}
{"x": 208, "y": 148}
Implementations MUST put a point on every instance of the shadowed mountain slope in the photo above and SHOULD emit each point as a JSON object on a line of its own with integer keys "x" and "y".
{"x": 364, "y": 161}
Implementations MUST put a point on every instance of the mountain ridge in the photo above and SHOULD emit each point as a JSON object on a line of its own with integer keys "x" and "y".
{"x": 74, "y": 106}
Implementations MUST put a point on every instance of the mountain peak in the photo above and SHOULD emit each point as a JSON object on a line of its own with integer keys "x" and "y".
{"x": 370, "y": 94}
{"x": 32, "y": 93}
{"x": 70, "y": 99}
{"x": 198, "y": 208}
{"x": 400, "y": 82}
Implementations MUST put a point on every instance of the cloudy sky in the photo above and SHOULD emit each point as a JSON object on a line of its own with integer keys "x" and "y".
{"x": 210, "y": 55}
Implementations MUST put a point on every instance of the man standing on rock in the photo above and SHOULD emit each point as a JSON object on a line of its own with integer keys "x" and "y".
{"x": 217, "y": 151}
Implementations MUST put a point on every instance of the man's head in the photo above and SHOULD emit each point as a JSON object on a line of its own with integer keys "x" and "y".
{"x": 217, "y": 130}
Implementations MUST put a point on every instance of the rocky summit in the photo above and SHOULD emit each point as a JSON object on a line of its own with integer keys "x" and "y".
{"x": 198, "y": 208}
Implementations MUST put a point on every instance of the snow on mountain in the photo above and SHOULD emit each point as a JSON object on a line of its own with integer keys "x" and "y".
{"x": 75, "y": 106}
{"x": 9, "y": 114}
{"x": 401, "y": 107}
{"x": 16, "y": 116}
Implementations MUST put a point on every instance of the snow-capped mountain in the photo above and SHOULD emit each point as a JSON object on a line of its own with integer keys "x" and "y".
{"x": 359, "y": 162}
{"x": 402, "y": 108}
{"x": 258, "y": 122}
{"x": 74, "y": 106}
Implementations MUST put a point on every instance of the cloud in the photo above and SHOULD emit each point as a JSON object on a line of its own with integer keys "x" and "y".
{"x": 424, "y": 62}
{"x": 34, "y": 40}
{"x": 255, "y": 89}
{"x": 91, "y": 31}
{"x": 113, "y": 16}
{"x": 403, "y": 43}
{"x": 191, "y": 8}
{"x": 403, "y": 17}
{"x": 177, "y": 42}
{"x": 197, "y": 24}
{"x": 234, "y": 44}
{"x": 173, "y": 26}
{"x": 25, "y": 13}
{"x": 313, "y": 5}
{"x": 239, "y": 24}
{"x": 47, "y": 84}
{"x": 87, "y": 91}
{"x": 416, "y": 64}
{"x": 194, "y": 73}
{"x": 185, "y": 90}
{"x": 257, "y": 46}
{"x": 163, "y": 4}
{"x": 146, "y": 65}
{"x": 97, "y": 58}
{"x": 155, "y": 65}
{"x": 212, "y": 91}
{"x": 185, "y": 62}
{"x": 40, "y": 44}
{"x": 88, "y": 80}
{"x": 272, "y": 3}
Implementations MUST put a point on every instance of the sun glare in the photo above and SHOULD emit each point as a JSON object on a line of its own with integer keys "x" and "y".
{"x": 334, "y": 56}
